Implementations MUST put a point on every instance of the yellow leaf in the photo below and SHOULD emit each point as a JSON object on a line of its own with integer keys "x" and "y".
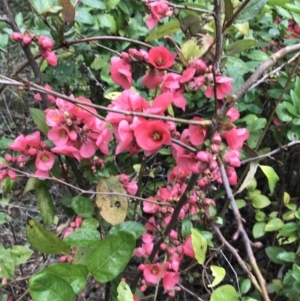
{"x": 113, "y": 208}
{"x": 112, "y": 95}
{"x": 219, "y": 274}
{"x": 243, "y": 28}
{"x": 286, "y": 198}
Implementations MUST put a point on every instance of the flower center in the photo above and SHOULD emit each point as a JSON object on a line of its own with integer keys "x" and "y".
{"x": 62, "y": 133}
{"x": 156, "y": 136}
{"x": 154, "y": 270}
{"x": 45, "y": 158}
{"x": 160, "y": 61}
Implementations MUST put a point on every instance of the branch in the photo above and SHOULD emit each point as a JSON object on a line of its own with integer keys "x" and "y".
{"x": 243, "y": 233}
{"x": 35, "y": 67}
{"x": 219, "y": 36}
{"x": 271, "y": 61}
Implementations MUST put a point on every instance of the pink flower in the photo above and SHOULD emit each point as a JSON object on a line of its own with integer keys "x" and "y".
{"x": 33, "y": 140}
{"x": 170, "y": 279}
{"x": 223, "y": 87}
{"x": 160, "y": 104}
{"x": 232, "y": 176}
{"x": 235, "y": 138}
{"x": 158, "y": 11}
{"x": 59, "y": 135}
{"x": 19, "y": 144}
{"x": 188, "y": 247}
{"x": 67, "y": 150}
{"x": 44, "y": 160}
{"x": 103, "y": 141}
{"x": 131, "y": 188}
{"x": 151, "y": 207}
{"x": 161, "y": 58}
{"x": 124, "y": 136}
{"x": 154, "y": 272}
{"x": 87, "y": 148}
{"x": 54, "y": 117}
{"x": 152, "y": 79}
{"x": 233, "y": 114}
{"x": 197, "y": 132}
{"x": 11, "y": 174}
{"x": 152, "y": 135}
{"x": 121, "y": 72}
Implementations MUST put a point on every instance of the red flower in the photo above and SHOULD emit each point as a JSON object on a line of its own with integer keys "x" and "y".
{"x": 161, "y": 58}
{"x": 236, "y": 137}
{"x": 152, "y": 135}
{"x": 121, "y": 72}
{"x": 223, "y": 87}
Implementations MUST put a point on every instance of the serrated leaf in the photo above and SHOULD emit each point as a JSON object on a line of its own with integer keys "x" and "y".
{"x": 39, "y": 119}
{"x": 83, "y": 237}
{"x": 113, "y": 208}
{"x": 163, "y": 30}
{"x": 271, "y": 176}
{"x": 224, "y": 293}
{"x": 110, "y": 256}
{"x": 124, "y": 292}
{"x": 251, "y": 10}
{"x": 199, "y": 246}
{"x": 219, "y": 274}
{"x": 47, "y": 286}
{"x": 43, "y": 240}
{"x": 20, "y": 254}
{"x": 45, "y": 204}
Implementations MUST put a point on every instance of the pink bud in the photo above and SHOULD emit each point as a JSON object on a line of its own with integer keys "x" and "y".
{"x": 11, "y": 174}
{"x": 9, "y": 158}
{"x": 78, "y": 221}
{"x": 50, "y": 57}
{"x": 17, "y": 36}
{"x": 45, "y": 42}
{"x": 27, "y": 40}
{"x": 63, "y": 259}
{"x": 4, "y": 281}
{"x": 70, "y": 259}
{"x": 126, "y": 57}
{"x": 215, "y": 148}
{"x": 72, "y": 225}
{"x": 68, "y": 232}
{"x": 204, "y": 156}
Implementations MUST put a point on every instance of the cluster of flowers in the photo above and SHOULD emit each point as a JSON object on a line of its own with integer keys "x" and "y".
{"x": 74, "y": 130}
{"x": 158, "y": 10}
{"x": 45, "y": 45}
{"x": 158, "y": 59}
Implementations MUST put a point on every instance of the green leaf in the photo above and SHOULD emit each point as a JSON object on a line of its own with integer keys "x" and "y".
{"x": 251, "y": 10}
{"x": 295, "y": 95}
{"x": 32, "y": 184}
{"x": 257, "y": 55}
{"x": 94, "y": 4}
{"x": 108, "y": 21}
{"x": 43, "y": 240}
{"x": 186, "y": 228}
{"x": 228, "y": 9}
{"x": 45, "y": 204}
{"x": 39, "y": 119}
{"x": 111, "y": 4}
{"x": 7, "y": 264}
{"x": 163, "y": 30}
{"x": 283, "y": 113}
{"x": 224, "y": 293}
{"x": 83, "y": 237}
{"x": 90, "y": 223}
{"x": 239, "y": 46}
{"x": 296, "y": 272}
{"x": 46, "y": 286}
{"x": 272, "y": 253}
{"x": 219, "y": 274}
{"x": 192, "y": 23}
{"x": 110, "y": 256}
{"x": 124, "y": 292}
{"x": 83, "y": 206}
{"x": 245, "y": 286}
{"x": 259, "y": 229}
{"x": 271, "y": 176}
{"x": 274, "y": 224}
{"x": 286, "y": 256}
{"x": 4, "y": 218}
{"x": 20, "y": 254}
{"x": 41, "y": 5}
{"x": 81, "y": 255}
{"x": 74, "y": 274}
{"x": 290, "y": 108}
{"x": 190, "y": 50}
{"x": 84, "y": 17}
{"x": 199, "y": 246}
{"x": 136, "y": 228}
{"x": 260, "y": 201}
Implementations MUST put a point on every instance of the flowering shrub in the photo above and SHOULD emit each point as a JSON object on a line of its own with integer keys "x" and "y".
{"x": 78, "y": 143}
